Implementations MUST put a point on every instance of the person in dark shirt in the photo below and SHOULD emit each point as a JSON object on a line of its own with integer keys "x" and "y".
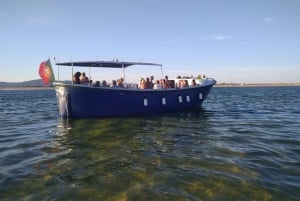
{"x": 76, "y": 78}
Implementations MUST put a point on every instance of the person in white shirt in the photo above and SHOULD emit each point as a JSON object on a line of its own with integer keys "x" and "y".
{"x": 157, "y": 85}
{"x": 84, "y": 80}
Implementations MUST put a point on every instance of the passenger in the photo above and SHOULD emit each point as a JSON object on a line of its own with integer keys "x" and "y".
{"x": 114, "y": 83}
{"x": 76, "y": 78}
{"x": 91, "y": 82}
{"x": 167, "y": 84}
{"x": 84, "y": 79}
{"x": 157, "y": 85}
{"x": 193, "y": 83}
{"x": 152, "y": 81}
{"x": 104, "y": 84}
{"x": 142, "y": 84}
{"x": 163, "y": 83}
{"x": 185, "y": 84}
{"x": 148, "y": 84}
{"x": 120, "y": 83}
{"x": 180, "y": 83}
{"x": 97, "y": 84}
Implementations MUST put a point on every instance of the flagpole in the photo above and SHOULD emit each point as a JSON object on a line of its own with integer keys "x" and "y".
{"x": 57, "y": 72}
{"x": 57, "y": 68}
{"x": 72, "y": 72}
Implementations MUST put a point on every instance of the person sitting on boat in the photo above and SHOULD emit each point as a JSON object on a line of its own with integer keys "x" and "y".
{"x": 104, "y": 84}
{"x": 167, "y": 84}
{"x": 193, "y": 83}
{"x": 157, "y": 85}
{"x": 179, "y": 83}
{"x": 114, "y": 83}
{"x": 142, "y": 84}
{"x": 163, "y": 83}
{"x": 152, "y": 81}
{"x": 76, "y": 78}
{"x": 120, "y": 83}
{"x": 97, "y": 84}
{"x": 84, "y": 79}
{"x": 148, "y": 84}
{"x": 185, "y": 84}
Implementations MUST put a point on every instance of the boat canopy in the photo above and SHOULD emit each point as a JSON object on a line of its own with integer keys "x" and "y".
{"x": 104, "y": 64}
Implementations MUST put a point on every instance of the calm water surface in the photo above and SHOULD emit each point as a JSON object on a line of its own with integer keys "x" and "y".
{"x": 244, "y": 144}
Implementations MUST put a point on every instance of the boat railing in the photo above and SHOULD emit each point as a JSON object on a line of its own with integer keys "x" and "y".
{"x": 134, "y": 86}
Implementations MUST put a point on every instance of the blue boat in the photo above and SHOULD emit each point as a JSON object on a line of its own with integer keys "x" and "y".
{"x": 88, "y": 101}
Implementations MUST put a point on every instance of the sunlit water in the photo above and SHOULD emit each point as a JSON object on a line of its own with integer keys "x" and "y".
{"x": 244, "y": 144}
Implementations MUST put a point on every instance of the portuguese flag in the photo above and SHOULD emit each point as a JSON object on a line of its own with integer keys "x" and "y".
{"x": 46, "y": 72}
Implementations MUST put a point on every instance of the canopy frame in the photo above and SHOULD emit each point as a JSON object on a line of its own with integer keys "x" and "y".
{"x": 104, "y": 64}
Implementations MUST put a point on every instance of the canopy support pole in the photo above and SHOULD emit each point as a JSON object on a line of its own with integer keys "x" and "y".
{"x": 58, "y": 72}
{"x": 89, "y": 73}
{"x": 123, "y": 72}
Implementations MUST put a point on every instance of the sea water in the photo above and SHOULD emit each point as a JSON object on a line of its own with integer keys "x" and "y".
{"x": 243, "y": 144}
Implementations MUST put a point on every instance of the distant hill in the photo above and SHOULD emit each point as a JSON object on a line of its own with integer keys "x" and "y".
{"x": 30, "y": 83}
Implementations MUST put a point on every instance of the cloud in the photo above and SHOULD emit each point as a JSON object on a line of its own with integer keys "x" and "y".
{"x": 221, "y": 37}
{"x": 203, "y": 39}
{"x": 269, "y": 19}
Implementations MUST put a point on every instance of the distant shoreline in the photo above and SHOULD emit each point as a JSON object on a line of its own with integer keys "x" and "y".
{"x": 257, "y": 85}
{"x": 26, "y": 88}
{"x": 217, "y": 85}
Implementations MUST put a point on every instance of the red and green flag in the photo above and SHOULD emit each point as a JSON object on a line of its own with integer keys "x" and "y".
{"x": 46, "y": 72}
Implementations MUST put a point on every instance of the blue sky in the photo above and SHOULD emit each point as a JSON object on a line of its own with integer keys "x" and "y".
{"x": 249, "y": 41}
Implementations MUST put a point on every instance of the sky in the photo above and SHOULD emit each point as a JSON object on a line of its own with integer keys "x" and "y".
{"x": 232, "y": 41}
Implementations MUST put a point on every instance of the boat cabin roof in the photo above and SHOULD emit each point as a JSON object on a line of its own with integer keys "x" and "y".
{"x": 104, "y": 64}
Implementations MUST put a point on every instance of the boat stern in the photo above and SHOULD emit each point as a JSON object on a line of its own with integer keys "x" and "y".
{"x": 62, "y": 100}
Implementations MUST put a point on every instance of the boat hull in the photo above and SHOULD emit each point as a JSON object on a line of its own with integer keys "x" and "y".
{"x": 81, "y": 101}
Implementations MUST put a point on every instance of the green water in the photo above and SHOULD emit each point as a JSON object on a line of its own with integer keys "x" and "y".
{"x": 220, "y": 152}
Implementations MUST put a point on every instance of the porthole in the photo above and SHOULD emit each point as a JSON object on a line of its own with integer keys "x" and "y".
{"x": 180, "y": 99}
{"x": 200, "y": 96}
{"x": 187, "y": 98}
{"x": 145, "y": 102}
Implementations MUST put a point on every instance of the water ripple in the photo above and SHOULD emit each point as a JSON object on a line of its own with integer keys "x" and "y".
{"x": 243, "y": 144}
